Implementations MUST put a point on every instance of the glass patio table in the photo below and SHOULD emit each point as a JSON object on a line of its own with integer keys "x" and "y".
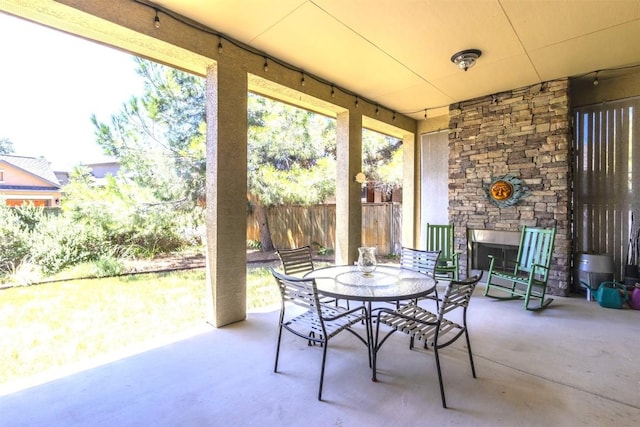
{"x": 386, "y": 283}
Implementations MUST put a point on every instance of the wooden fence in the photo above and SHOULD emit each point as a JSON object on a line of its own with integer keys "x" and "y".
{"x": 295, "y": 226}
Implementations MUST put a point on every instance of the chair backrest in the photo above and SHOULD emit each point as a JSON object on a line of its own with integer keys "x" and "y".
{"x": 299, "y": 291}
{"x": 418, "y": 260}
{"x": 441, "y": 238}
{"x": 536, "y": 249}
{"x": 296, "y": 262}
{"x": 458, "y": 294}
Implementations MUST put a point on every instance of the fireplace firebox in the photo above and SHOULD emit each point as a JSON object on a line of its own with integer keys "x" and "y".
{"x": 502, "y": 245}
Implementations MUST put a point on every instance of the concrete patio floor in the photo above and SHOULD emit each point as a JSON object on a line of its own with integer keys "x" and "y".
{"x": 574, "y": 364}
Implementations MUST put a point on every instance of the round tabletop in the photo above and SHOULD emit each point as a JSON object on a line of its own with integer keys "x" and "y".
{"x": 386, "y": 283}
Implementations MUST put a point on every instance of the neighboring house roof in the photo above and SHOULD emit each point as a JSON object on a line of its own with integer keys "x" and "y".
{"x": 63, "y": 177}
{"x": 101, "y": 170}
{"x": 37, "y": 166}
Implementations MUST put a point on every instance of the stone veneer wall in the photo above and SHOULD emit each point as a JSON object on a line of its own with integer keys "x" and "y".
{"x": 526, "y": 133}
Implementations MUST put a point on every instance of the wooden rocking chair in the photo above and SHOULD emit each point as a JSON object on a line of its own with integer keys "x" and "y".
{"x": 530, "y": 272}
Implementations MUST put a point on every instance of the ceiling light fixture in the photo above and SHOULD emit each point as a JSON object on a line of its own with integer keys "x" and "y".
{"x": 595, "y": 79}
{"x": 220, "y": 44}
{"x": 266, "y": 65}
{"x": 156, "y": 20}
{"x": 466, "y": 59}
{"x": 302, "y": 80}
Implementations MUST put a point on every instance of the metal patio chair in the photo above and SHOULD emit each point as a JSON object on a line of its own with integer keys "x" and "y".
{"x": 528, "y": 279}
{"x": 320, "y": 322}
{"x": 434, "y": 329}
{"x": 298, "y": 262}
{"x": 422, "y": 261}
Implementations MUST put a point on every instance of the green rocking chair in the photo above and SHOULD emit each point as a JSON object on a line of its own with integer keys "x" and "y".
{"x": 528, "y": 279}
{"x": 441, "y": 238}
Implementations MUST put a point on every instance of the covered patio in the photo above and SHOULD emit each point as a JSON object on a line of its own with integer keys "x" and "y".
{"x": 530, "y": 373}
{"x": 573, "y": 364}
{"x": 390, "y": 70}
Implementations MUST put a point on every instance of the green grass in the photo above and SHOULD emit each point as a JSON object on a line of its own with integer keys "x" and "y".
{"x": 55, "y": 325}
{"x": 262, "y": 292}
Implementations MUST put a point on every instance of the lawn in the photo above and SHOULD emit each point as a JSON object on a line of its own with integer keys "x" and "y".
{"x": 51, "y": 326}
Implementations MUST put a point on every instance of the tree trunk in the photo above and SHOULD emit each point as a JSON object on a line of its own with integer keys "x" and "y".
{"x": 263, "y": 225}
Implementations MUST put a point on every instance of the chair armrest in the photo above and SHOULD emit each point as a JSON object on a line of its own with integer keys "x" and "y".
{"x": 541, "y": 266}
{"x": 534, "y": 268}
{"x": 362, "y": 309}
{"x": 468, "y": 281}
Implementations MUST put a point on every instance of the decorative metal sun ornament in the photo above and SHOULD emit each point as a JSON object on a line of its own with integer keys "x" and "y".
{"x": 506, "y": 191}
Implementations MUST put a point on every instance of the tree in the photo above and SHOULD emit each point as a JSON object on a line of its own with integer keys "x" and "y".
{"x": 6, "y": 146}
{"x": 159, "y": 139}
{"x": 382, "y": 160}
{"x": 291, "y": 158}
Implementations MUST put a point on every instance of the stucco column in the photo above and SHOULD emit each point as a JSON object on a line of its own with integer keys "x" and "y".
{"x": 226, "y": 192}
{"x": 348, "y": 192}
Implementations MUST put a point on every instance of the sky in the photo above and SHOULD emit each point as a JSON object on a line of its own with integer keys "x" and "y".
{"x": 50, "y": 85}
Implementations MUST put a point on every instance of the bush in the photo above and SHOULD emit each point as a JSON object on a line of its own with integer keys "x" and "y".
{"x": 254, "y": 244}
{"x": 14, "y": 244}
{"x": 150, "y": 232}
{"x": 321, "y": 250}
{"x": 60, "y": 242}
{"x": 97, "y": 225}
{"x": 29, "y": 216}
{"x": 24, "y": 274}
{"x": 107, "y": 266}
{"x": 141, "y": 230}
{"x": 191, "y": 226}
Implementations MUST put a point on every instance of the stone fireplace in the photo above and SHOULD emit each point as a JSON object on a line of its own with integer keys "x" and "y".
{"x": 525, "y": 133}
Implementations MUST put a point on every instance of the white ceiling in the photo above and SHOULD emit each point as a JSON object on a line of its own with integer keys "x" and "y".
{"x": 397, "y": 52}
